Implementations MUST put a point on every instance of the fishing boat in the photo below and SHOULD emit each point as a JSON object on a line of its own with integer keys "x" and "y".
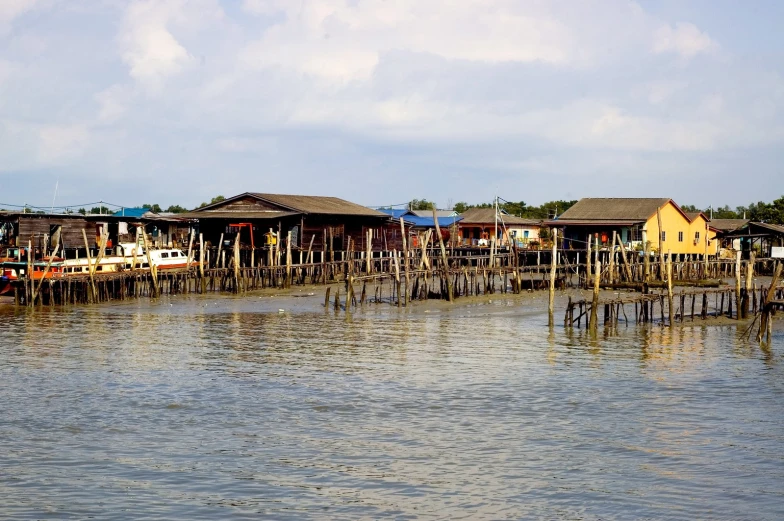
{"x": 11, "y": 271}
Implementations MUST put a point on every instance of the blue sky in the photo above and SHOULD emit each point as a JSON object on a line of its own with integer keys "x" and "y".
{"x": 382, "y": 101}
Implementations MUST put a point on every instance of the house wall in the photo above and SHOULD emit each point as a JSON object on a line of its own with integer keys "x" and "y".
{"x": 467, "y": 233}
{"x": 699, "y": 245}
{"x": 673, "y": 223}
{"x": 35, "y": 228}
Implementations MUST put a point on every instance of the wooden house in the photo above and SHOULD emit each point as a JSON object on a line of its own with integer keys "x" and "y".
{"x": 258, "y": 217}
{"x": 635, "y": 221}
{"x": 67, "y": 231}
{"x": 757, "y": 236}
{"x": 478, "y": 225}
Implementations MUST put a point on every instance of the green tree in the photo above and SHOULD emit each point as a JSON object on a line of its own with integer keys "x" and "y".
{"x": 461, "y": 207}
{"x": 421, "y": 204}
{"x": 155, "y": 208}
{"x": 175, "y": 208}
{"x": 690, "y": 208}
{"x": 99, "y": 210}
{"x": 216, "y": 199}
{"x": 82, "y": 211}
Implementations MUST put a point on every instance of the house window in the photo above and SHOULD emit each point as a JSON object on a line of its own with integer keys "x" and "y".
{"x": 635, "y": 233}
{"x": 680, "y": 236}
{"x": 664, "y": 236}
{"x": 697, "y": 236}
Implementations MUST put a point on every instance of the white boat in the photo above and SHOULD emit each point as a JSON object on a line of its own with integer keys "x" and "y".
{"x": 130, "y": 256}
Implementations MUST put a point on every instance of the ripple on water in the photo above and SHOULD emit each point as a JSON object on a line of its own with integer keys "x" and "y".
{"x": 223, "y": 407}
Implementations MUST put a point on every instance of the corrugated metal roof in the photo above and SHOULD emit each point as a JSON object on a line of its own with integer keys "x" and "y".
{"x": 613, "y": 208}
{"x": 727, "y": 225}
{"x": 487, "y": 215}
{"x": 429, "y": 213}
{"x": 236, "y": 215}
{"x": 756, "y": 229}
{"x": 420, "y": 222}
{"x": 318, "y": 204}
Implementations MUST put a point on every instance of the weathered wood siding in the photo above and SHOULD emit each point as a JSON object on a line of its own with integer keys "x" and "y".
{"x": 35, "y": 228}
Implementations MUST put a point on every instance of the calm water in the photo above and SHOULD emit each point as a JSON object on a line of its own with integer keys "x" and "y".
{"x": 225, "y": 408}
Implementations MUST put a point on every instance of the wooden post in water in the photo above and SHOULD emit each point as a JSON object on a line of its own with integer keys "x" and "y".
{"x": 765, "y": 317}
{"x": 405, "y": 260}
{"x": 594, "y": 318}
{"x": 749, "y": 280}
{"x": 646, "y": 259}
{"x": 588, "y": 254}
{"x": 156, "y": 292}
{"x": 737, "y": 285}
{"x": 237, "y": 263}
{"x": 89, "y": 264}
{"x": 288, "y": 259}
{"x": 625, "y": 261}
{"x": 43, "y": 276}
{"x": 368, "y": 251}
{"x": 444, "y": 259}
{"x": 201, "y": 264}
{"x": 218, "y": 255}
{"x": 553, "y": 272}
{"x": 612, "y": 257}
{"x": 661, "y": 246}
{"x": 669, "y": 287}
{"x": 190, "y": 249}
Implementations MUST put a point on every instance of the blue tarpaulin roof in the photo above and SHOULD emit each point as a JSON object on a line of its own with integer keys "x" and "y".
{"x": 131, "y": 212}
{"x": 420, "y": 222}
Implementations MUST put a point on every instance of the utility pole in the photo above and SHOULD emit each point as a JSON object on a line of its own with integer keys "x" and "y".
{"x": 496, "y": 219}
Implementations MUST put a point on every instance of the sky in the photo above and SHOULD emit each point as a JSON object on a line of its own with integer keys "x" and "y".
{"x": 383, "y": 101}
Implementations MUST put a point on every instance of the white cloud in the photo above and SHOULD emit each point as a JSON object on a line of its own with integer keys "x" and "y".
{"x": 12, "y": 9}
{"x": 149, "y": 49}
{"x": 338, "y": 40}
{"x": 684, "y": 39}
{"x": 62, "y": 143}
{"x": 148, "y": 45}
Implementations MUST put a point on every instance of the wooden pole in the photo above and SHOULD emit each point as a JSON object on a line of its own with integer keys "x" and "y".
{"x": 594, "y": 319}
{"x": 553, "y": 272}
{"x": 749, "y": 281}
{"x": 661, "y": 246}
{"x": 201, "y": 263}
{"x": 220, "y": 246}
{"x": 669, "y": 288}
{"x": 237, "y": 263}
{"x": 612, "y": 256}
{"x": 765, "y": 327}
{"x": 737, "y": 284}
{"x": 405, "y": 258}
{"x": 588, "y": 254}
{"x": 288, "y": 259}
{"x": 89, "y": 263}
{"x": 646, "y": 259}
{"x": 43, "y": 275}
{"x": 625, "y": 261}
{"x": 190, "y": 249}
{"x": 444, "y": 260}
{"x": 368, "y": 251}
{"x": 156, "y": 291}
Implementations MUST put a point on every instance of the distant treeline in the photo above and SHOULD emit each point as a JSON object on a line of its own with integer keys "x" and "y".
{"x": 761, "y": 211}
{"x": 547, "y": 210}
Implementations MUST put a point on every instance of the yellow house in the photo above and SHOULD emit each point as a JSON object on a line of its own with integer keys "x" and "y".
{"x": 635, "y": 221}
